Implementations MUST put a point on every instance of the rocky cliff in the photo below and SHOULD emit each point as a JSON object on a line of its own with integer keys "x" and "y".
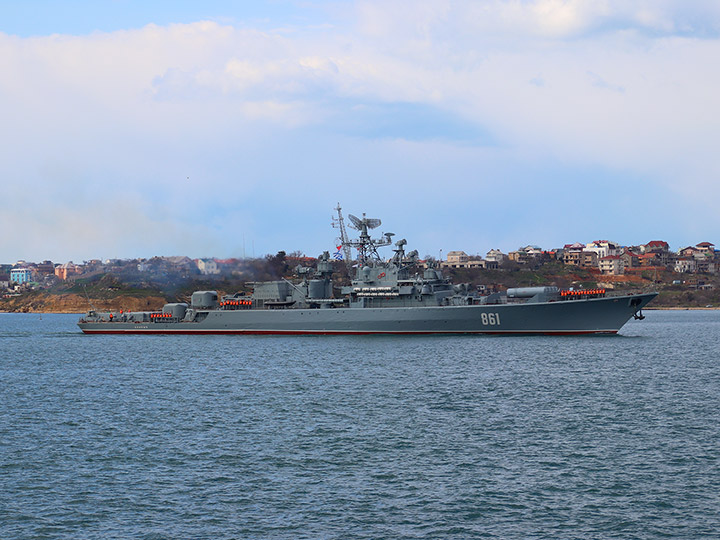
{"x": 73, "y": 303}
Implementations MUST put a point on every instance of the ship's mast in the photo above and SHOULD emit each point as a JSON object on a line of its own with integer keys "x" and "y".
{"x": 365, "y": 245}
{"x": 339, "y": 223}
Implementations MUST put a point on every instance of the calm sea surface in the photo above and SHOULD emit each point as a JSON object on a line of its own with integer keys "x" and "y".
{"x": 219, "y": 437}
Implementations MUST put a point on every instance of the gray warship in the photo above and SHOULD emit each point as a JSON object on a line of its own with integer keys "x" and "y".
{"x": 394, "y": 296}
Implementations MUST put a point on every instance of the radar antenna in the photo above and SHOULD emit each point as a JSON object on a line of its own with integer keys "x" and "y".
{"x": 366, "y": 246}
{"x": 370, "y": 223}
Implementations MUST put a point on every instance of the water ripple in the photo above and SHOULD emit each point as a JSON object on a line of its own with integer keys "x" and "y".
{"x": 160, "y": 437}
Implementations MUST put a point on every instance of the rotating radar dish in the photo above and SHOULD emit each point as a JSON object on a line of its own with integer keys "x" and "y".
{"x": 355, "y": 222}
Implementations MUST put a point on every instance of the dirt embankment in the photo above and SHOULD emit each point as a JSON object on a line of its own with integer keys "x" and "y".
{"x": 73, "y": 303}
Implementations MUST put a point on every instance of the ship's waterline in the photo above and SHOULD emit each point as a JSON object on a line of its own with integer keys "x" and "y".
{"x": 601, "y": 315}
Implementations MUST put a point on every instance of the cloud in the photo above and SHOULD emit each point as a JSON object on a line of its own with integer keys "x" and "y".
{"x": 432, "y": 104}
{"x": 506, "y": 20}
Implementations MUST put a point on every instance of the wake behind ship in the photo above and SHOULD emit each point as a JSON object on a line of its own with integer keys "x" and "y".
{"x": 384, "y": 297}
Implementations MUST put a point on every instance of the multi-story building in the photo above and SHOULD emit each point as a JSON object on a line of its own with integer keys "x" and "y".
{"x": 630, "y": 259}
{"x": 457, "y": 257}
{"x": 649, "y": 259}
{"x": 685, "y": 265}
{"x": 21, "y": 275}
{"x": 603, "y": 248}
{"x": 46, "y": 267}
{"x": 706, "y": 265}
{"x": 703, "y": 255}
{"x": 706, "y": 247}
{"x": 207, "y": 266}
{"x": 572, "y": 253}
{"x": 661, "y": 251}
{"x": 460, "y": 259}
{"x": 495, "y": 255}
{"x": 687, "y": 251}
{"x": 589, "y": 259}
{"x": 612, "y": 265}
{"x": 525, "y": 254}
{"x": 655, "y": 246}
{"x": 64, "y": 271}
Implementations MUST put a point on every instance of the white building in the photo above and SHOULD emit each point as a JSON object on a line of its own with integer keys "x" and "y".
{"x": 603, "y": 248}
{"x": 207, "y": 266}
{"x": 495, "y": 255}
{"x": 686, "y": 265}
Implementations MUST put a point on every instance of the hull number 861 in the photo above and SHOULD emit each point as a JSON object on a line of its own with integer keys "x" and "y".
{"x": 490, "y": 318}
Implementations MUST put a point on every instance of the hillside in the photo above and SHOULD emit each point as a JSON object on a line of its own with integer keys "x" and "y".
{"x": 43, "y": 302}
{"x": 113, "y": 292}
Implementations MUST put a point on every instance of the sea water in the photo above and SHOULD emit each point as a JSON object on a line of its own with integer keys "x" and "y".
{"x": 220, "y": 437}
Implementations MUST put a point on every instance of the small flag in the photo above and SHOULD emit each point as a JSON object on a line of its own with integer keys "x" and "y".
{"x": 338, "y": 256}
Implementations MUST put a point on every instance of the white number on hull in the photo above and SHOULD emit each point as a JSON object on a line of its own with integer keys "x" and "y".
{"x": 490, "y": 318}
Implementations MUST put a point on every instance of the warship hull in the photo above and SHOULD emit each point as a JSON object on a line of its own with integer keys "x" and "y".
{"x": 604, "y": 315}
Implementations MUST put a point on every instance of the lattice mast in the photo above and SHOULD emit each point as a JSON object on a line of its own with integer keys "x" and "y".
{"x": 366, "y": 246}
{"x": 339, "y": 223}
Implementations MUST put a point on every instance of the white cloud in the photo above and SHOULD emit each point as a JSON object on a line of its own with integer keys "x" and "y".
{"x": 623, "y": 86}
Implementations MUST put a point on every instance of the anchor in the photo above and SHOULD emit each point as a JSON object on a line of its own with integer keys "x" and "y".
{"x": 638, "y": 315}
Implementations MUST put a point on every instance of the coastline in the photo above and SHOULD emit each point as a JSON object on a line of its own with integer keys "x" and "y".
{"x": 680, "y": 308}
{"x": 74, "y": 303}
{"x": 76, "y": 312}
{"x": 2, "y": 312}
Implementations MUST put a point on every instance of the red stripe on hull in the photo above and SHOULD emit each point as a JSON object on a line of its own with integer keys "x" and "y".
{"x": 343, "y": 332}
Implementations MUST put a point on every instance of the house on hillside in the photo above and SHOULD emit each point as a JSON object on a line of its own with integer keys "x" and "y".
{"x": 704, "y": 256}
{"x": 457, "y": 257}
{"x": 525, "y": 254}
{"x": 495, "y": 255}
{"x": 603, "y": 248}
{"x": 589, "y": 259}
{"x": 207, "y": 266}
{"x": 20, "y": 275}
{"x": 655, "y": 246}
{"x": 648, "y": 259}
{"x": 46, "y": 268}
{"x": 685, "y": 265}
{"x": 64, "y": 271}
{"x": 705, "y": 247}
{"x": 687, "y": 251}
{"x": 630, "y": 259}
{"x": 460, "y": 259}
{"x": 706, "y": 265}
{"x": 572, "y": 253}
{"x": 612, "y": 265}
{"x": 661, "y": 251}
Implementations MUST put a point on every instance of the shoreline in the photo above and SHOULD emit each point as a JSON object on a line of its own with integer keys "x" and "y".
{"x": 661, "y": 308}
{"x": 680, "y": 308}
{"x": 44, "y": 312}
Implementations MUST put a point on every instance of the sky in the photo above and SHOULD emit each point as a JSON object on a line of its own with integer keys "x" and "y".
{"x": 230, "y": 128}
